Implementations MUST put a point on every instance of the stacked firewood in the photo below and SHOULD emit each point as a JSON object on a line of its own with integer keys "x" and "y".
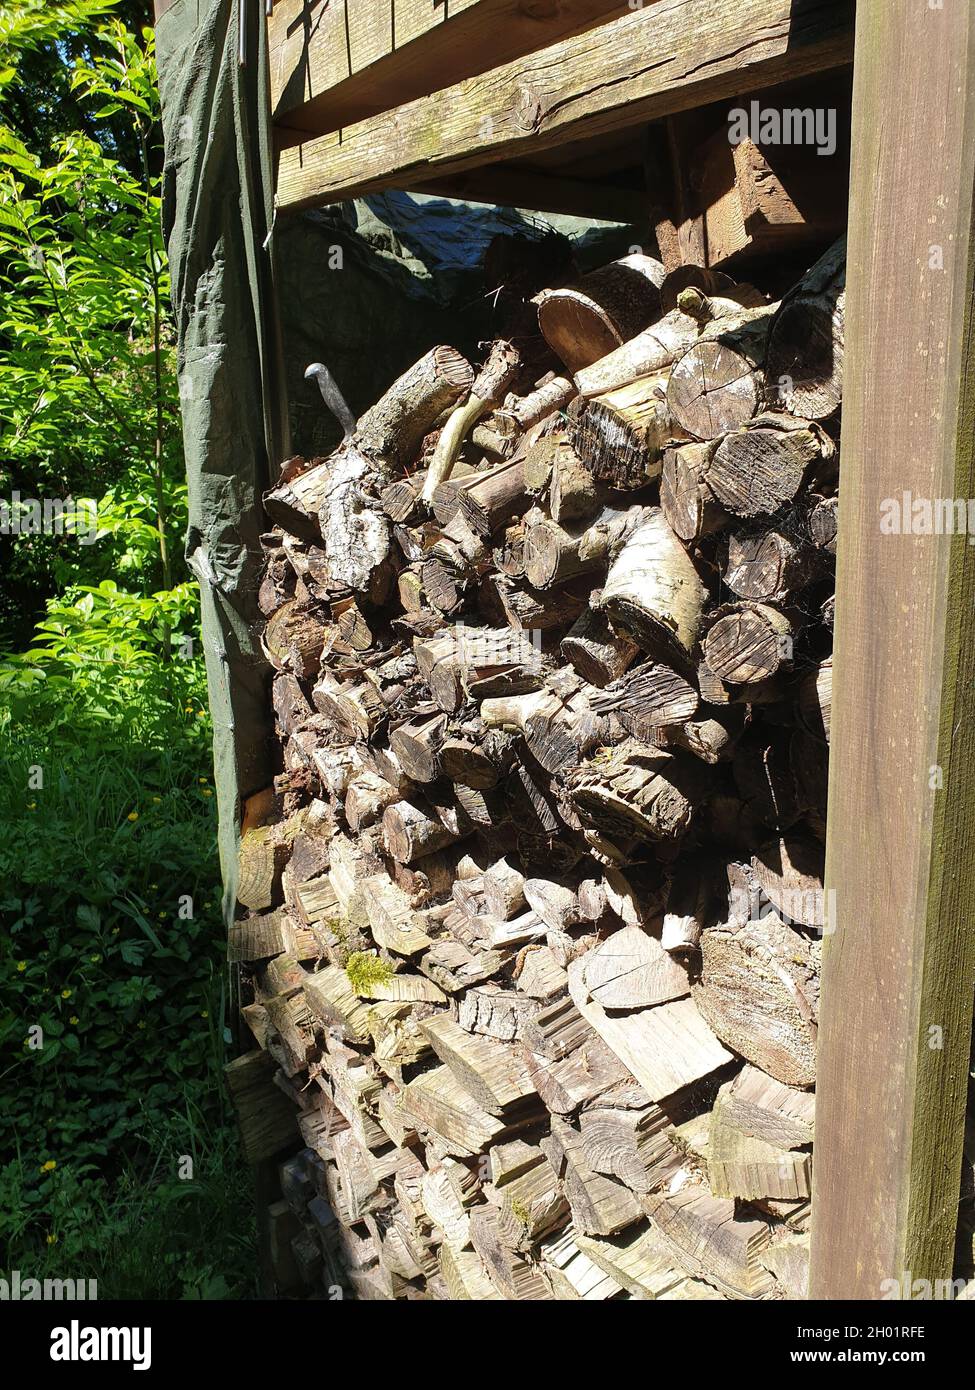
{"x": 533, "y": 917}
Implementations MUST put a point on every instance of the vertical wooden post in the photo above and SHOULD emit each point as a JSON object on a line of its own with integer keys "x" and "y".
{"x": 898, "y": 972}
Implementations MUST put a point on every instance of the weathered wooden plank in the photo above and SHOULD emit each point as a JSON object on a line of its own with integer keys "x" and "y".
{"x": 648, "y": 63}
{"x": 897, "y": 978}
{"x": 510, "y": 185}
{"x": 341, "y": 61}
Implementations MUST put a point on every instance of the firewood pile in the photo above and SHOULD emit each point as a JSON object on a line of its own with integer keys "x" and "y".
{"x": 532, "y": 919}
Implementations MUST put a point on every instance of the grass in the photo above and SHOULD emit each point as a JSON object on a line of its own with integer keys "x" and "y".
{"x": 118, "y": 1159}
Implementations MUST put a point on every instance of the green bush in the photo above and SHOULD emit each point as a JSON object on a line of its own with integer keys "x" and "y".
{"x": 118, "y": 1158}
{"x": 112, "y": 1026}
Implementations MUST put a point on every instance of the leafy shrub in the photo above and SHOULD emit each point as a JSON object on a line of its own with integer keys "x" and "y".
{"x": 99, "y": 661}
{"x": 112, "y": 1020}
{"x": 118, "y": 1158}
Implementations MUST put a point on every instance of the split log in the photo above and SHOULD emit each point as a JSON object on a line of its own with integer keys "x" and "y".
{"x": 557, "y": 904}
{"x": 759, "y": 991}
{"x": 504, "y": 890}
{"x": 572, "y": 1275}
{"x": 686, "y": 500}
{"x": 665, "y": 1048}
{"x": 488, "y": 389}
{"x": 493, "y": 935}
{"x": 707, "y": 1237}
{"x": 278, "y": 582}
{"x": 533, "y": 1204}
{"x": 598, "y": 653}
{"x": 761, "y": 467}
{"x": 486, "y": 500}
{"x": 600, "y": 1204}
{"x": 495, "y": 1012}
{"x": 631, "y": 970}
{"x": 766, "y": 1109}
{"x": 790, "y": 873}
{"x": 493, "y": 1074}
{"x": 718, "y": 383}
{"x": 416, "y": 745}
{"x": 652, "y": 592}
{"x": 788, "y": 1263}
{"x": 573, "y": 495}
{"x": 750, "y": 1169}
{"x": 626, "y": 1136}
{"x": 561, "y": 728}
{"x": 638, "y": 1258}
{"x": 258, "y": 937}
{"x": 620, "y": 436}
{"x": 632, "y": 790}
{"x": 583, "y": 322}
{"x": 586, "y": 1070}
{"x": 805, "y": 358}
{"x": 465, "y": 1275}
{"x": 392, "y": 430}
{"x": 538, "y": 973}
{"x": 748, "y": 643}
{"x": 649, "y": 352}
{"x": 401, "y": 498}
{"x": 437, "y": 1101}
{"x": 512, "y": 1276}
{"x": 331, "y": 998}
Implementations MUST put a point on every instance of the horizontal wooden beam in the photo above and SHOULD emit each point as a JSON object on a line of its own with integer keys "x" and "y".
{"x": 651, "y": 62}
{"x": 537, "y": 191}
{"x": 335, "y": 63}
{"x": 896, "y": 1021}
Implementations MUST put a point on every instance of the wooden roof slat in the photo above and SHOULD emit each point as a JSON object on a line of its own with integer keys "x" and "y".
{"x": 338, "y": 62}
{"x": 509, "y": 185}
{"x": 652, "y": 62}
